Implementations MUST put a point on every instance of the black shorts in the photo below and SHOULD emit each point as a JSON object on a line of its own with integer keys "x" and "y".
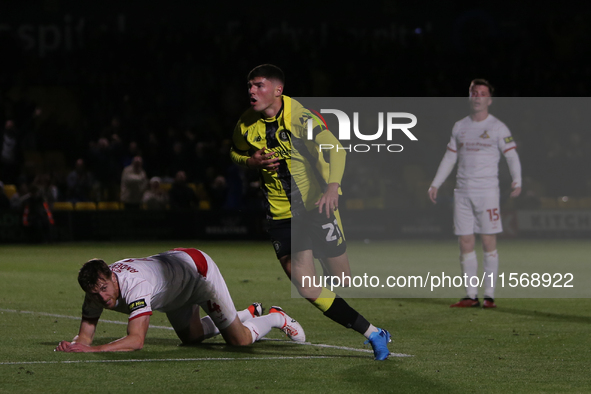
{"x": 310, "y": 231}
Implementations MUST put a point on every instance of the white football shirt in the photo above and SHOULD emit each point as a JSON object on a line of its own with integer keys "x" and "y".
{"x": 163, "y": 282}
{"x": 479, "y": 146}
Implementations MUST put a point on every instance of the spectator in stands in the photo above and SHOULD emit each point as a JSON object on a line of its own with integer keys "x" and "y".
{"x": 104, "y": 166}
{"x": 181, "y": 195}
{"x": 155, "y": 198}
{"x": 132, "y": 151}
{"x": 216, "y": 187}
{"x": 10, "y": 153}
{"x": 114, "y": 128}
{"x": 133, "y": 184}
{"x": 80, "y": 183}
{"x": 17, "y": 199}
{"x": 179, "y": 160}
{"x": 47, "y": 188}
{"x": 37, "y": 217}
{"x": 153, "y": 160}
{"x": 4, "y": 201}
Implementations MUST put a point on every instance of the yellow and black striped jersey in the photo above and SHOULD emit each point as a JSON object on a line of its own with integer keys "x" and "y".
{"x": 303, "y": 171}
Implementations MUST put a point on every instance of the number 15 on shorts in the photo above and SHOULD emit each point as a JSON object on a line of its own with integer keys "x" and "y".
{"x": 493, "y": 214}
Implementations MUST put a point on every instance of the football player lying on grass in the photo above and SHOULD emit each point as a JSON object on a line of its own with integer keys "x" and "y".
{"x": 176, "y": 282}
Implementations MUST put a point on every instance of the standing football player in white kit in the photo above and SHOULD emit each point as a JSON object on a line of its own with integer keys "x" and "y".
{"x": 176, "y": 282}
{"x": 478, "y": 141}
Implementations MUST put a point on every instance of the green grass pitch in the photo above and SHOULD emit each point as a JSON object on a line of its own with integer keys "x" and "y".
{"x": 525, "y": 345}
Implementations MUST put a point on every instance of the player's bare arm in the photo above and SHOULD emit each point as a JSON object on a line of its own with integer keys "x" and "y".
{"x": 84, "y": 337}
{"x": 134, "y": 340}
{"x": 261, "y": 159}
{"x": 329, "y": 200}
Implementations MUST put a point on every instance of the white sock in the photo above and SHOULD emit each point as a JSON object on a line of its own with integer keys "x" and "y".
{"x": 469, "y": 264}
{"x": 260, "y": 326}
{"x": 244, "y": 315}
{"x": 209, "y": 329}
{"x": 491, "y": 266}
{"x": 370, "y": 330}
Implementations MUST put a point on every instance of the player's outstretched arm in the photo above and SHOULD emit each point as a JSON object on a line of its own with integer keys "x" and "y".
{"x": 136, "y": 334}
{"x": 84, "y": 337}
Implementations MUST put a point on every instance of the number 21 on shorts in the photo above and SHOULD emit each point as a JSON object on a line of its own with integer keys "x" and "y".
{"x": 332, "y": 229}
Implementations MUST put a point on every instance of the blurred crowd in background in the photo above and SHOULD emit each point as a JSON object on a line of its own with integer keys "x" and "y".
{"x": 142, "y": 110}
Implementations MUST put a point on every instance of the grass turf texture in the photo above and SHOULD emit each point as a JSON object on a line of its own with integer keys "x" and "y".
{"x": 525, "y": 345}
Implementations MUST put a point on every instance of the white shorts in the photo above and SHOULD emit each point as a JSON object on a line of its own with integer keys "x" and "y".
{"x": 212, "y": 295}
{"x": 479, "y": 214}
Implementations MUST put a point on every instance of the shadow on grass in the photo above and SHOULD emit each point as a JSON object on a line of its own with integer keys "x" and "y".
{"x": 218, "y": 350}
{"x": 509, "y": 310}
{"x": 388, "y": 377}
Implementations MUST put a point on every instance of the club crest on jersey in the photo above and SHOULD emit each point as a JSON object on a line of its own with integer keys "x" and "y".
{"x": 139, "y": 304}
{"x": 485, "y": 135}
{"x": 283, "y": 135}
{"x": 277, "y": 245}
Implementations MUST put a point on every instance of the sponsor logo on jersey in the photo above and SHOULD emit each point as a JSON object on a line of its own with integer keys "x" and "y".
{"x": 139, "y": 304}
{"x": 304, "y": 118}
{"x": 281, "y": 152}
{"x": 508, "y": 139}
{"x": 485, "y": 135}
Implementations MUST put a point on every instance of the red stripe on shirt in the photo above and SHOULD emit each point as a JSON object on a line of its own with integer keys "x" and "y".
{"x": 505, "y": 151}
{"x": 198, "y": 258}
{"x": 451, "y": 149}
{"x": 141, "y": 314}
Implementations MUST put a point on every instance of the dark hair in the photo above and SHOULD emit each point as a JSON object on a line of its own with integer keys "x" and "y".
{"x": 268, "y": 71}
{"x": 90, "y": 273}
{"x": 483, "y": 82}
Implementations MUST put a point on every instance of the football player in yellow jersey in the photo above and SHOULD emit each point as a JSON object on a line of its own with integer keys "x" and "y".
{"x": 301, "y": 191}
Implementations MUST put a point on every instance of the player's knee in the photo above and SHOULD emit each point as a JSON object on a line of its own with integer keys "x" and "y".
{"x": 467, "y": 243}
{"x": 309, "y": 292}
{"x": 489, "y": 243}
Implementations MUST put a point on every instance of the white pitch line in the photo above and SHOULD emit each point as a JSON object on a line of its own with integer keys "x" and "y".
{"x": 320, "y": 345}
{"x": 151, "y": 360}
{"x": 336, "y": 347}
{"x": 76, "y": 318}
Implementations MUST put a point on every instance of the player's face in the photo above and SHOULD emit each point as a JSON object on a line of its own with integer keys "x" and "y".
{"x": 480, "y": 98}
{"x": 265, "y": 95}
{"x": 106, "y": 292}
